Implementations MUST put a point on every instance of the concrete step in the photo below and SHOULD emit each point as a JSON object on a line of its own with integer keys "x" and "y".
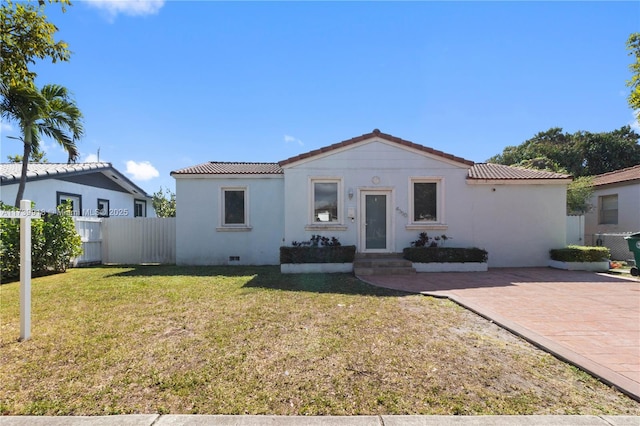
{"x": 386, "y": 263}
{"x": 382, "y": 264}
{"x": 384, "y": 271}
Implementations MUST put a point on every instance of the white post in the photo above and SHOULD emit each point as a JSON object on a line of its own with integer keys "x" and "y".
{"x": 25, "y": 270}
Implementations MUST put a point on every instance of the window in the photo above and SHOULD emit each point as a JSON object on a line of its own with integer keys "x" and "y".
{"x": 139, "y": 208}
{"x": 234, "y": 207}
{"x": 74, "y": 200}
{"x": 103, "y": 208}
{"x": 327, "y": 205}
{"x": 425, "y": 201}
{"x": 608, "y": 211}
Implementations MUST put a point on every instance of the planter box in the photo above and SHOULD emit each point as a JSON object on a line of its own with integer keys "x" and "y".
{"x": 455, "y": 255}
{"x": 451, "y": 267}
{"x": 315, "y": 268}
{"x": 580, "y": 266}
{"x": 315, "y": 254}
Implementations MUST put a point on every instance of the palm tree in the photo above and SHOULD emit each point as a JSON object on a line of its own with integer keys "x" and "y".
{"x": 47, "y": 112}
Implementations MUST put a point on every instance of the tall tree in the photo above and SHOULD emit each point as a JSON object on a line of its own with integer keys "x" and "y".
{"x": 633, "y": 45}
{"x": 27, "y": 35}
{"x": 580, "y": 154}
{"x": 578, "y": 194}
{"x": 47, "y": 112}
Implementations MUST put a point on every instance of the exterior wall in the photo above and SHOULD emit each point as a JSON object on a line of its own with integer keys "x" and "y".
{"x": 199, "y": 241}
{"x": 358, "y": 167}
{"x": 518, "y": 224}
{"x": 43, "y": 193}
{"x": 628, "y": 211}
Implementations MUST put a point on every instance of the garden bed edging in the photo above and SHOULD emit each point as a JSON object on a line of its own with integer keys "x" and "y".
{"x": 580, "y": 266}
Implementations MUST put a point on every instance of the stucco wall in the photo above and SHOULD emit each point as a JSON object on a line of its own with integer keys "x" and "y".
{"x": 199, "y": 241}
{"x": 358, "y": 167}
{"x": 43, "y": 193}
{"x": 628, "y": 211}
{"x": 518, "y": 224}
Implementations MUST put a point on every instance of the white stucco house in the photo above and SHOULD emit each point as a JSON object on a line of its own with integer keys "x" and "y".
{"x": 94, "y": 189}
{"x": 374, "y": 191}
{"x": 616, "y": 204}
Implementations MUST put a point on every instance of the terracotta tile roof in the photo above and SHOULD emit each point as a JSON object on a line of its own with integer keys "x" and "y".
{"x": 376, "y": 133}
{"x": 618, "y": 176}
{"x": 230, "y": 168}
{"x": 492, "y": 171}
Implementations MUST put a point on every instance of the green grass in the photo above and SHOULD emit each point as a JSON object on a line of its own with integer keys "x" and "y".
{"x": 241, "y": 340}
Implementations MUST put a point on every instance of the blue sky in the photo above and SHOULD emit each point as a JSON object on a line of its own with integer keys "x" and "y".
{"x": 165, "y": 85}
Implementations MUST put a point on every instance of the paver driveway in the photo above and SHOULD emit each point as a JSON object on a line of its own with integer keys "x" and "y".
{"x": 591, "y": 320}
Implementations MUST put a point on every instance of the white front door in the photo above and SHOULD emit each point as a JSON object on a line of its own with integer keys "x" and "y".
{"x": 375, "y": 221}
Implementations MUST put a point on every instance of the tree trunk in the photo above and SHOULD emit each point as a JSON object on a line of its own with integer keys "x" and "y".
{"x": 25, "y": 164}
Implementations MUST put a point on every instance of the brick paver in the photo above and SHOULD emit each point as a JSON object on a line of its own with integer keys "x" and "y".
{"x": 588, "y": 319}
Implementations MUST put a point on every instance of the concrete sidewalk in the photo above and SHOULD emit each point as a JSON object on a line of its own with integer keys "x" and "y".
{"x": 197, "y": 420}
{"x": 587, "y": 319}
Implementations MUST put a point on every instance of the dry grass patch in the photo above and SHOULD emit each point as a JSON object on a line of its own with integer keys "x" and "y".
{"x": 250, "y": 340}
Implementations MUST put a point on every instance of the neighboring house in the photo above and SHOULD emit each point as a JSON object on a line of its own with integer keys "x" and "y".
{"x": 616, "y": 204}
{"x": 375, "y": 191}
{"x": 94, "y": 189}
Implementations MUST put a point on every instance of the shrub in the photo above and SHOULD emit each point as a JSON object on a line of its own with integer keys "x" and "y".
{"x": 315, "y": 254}
{"x": 580, "y": 254}
{"x": 424, "y": 240}
{"x": 317, "y": 240}
{"x": 54, "y": 241}
{"x": 445, "y": 255}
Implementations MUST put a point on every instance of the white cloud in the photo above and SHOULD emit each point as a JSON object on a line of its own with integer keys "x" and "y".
{"x": 142, "y": 170}
{"x": 288, "y": 139}
{"x": 5, "y": 127}
{"x": 127, "y": 7}
{"x": 91, "y": 158}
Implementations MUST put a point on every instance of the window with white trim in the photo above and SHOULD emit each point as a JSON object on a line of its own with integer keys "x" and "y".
{"x": 73, "y": 200}
{"x": 103, "y": 208}
{"x": 608, "y": 211}
{"x": 234, "y": 207}
{"x": 326, "y": 201}
{"x": 139, "y": 208}
{"x": 425, "y": 201}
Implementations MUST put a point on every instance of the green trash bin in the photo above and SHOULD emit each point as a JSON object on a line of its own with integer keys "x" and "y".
{"x": 634, "y": 246}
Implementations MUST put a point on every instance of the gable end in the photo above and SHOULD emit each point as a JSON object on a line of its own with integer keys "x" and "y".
{"x": 375, "y": 134}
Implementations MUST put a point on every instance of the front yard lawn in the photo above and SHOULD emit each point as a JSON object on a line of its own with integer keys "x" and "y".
{"x": 248, "y": 340}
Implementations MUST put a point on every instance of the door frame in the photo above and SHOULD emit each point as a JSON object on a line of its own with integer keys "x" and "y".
{"x": 362, "y": 234}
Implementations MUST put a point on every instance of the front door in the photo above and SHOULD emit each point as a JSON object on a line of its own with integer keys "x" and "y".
{"x": 375, "y": 225}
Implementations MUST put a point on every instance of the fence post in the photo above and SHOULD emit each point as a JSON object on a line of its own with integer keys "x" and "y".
{"x": 25, "y": 270}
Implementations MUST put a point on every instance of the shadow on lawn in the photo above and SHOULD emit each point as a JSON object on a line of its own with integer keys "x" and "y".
{"x": 266, "y": 277}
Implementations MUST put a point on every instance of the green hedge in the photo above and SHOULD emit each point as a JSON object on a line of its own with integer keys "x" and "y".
{"x": 580, "y": 254}
{"x": 54, "y": 241}
{"x": 327, "y": 254}
{"x": 445, "y": 255}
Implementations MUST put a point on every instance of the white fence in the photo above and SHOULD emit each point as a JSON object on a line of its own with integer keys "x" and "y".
{"x": 575, "y": 230}
{"x": 134, "y": 241}
{"x": 90, "y": 230}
